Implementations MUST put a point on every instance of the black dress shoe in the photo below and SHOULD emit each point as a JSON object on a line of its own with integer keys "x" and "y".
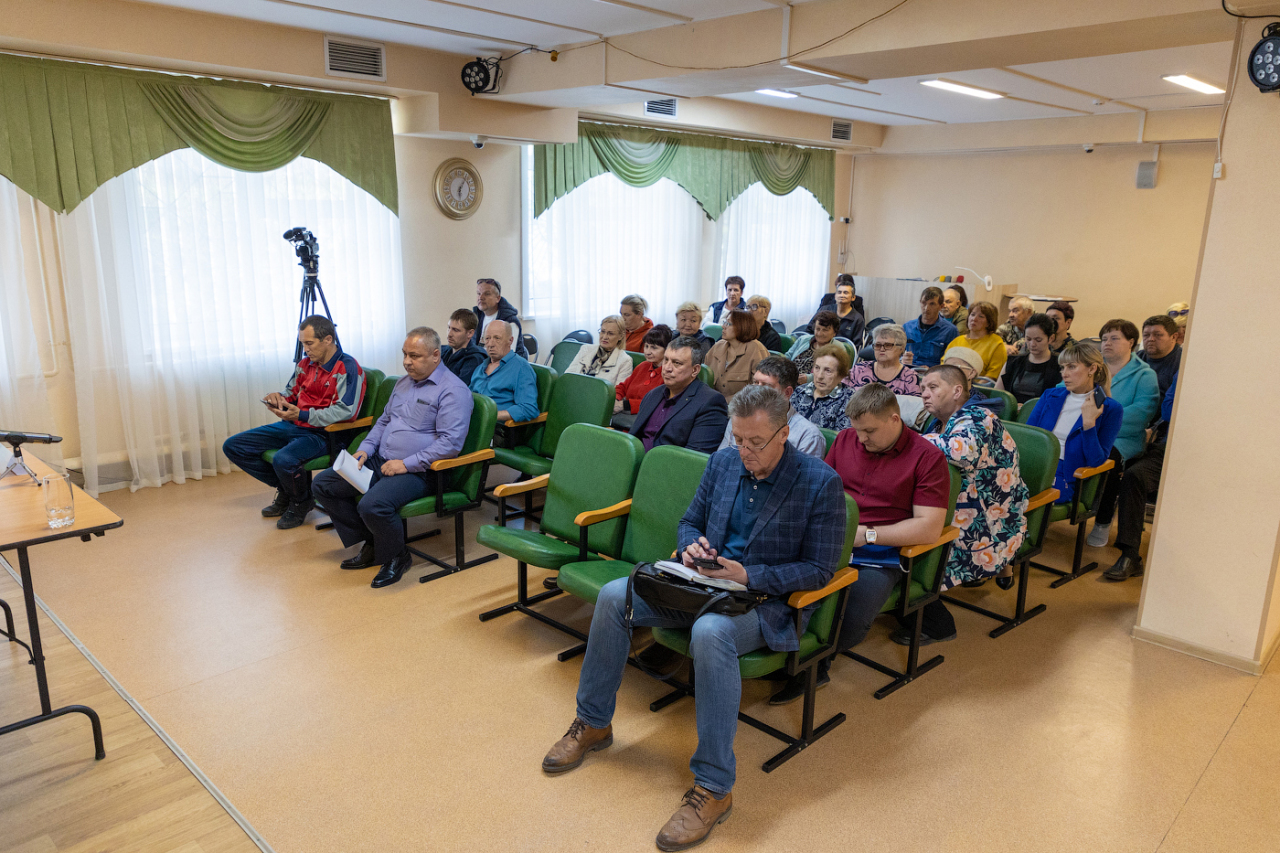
{"x": 659, "y": 661}
{"x": 974, "y": 584}
{"x": 794, "y": 688}
{"x": 277, "y": 506}
{"x": 1126, "y": 567}
{"x": 363, "y": 560}
{"x": 552, "y": 582}
{"x": 1006, "y": 581}
{"x": 392, "y": 572}
{"x": 295, "y": 515}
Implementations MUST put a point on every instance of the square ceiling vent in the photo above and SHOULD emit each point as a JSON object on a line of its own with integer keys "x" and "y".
{"x": 347, "y": 57}
{"x": 665, "y": 107}
{"x": 841, "y": 131}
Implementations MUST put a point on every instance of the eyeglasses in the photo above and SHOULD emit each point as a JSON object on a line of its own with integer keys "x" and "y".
{"x": 751, "y": 307}
{"x": 883, "y": 347}
{"x": 758, "y": 446}
{"x": 1176, "y": 314}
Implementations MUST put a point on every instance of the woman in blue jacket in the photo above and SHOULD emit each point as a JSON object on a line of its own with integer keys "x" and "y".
{"x": 1086, "y": 433}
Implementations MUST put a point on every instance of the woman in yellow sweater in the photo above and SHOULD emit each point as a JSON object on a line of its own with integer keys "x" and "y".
{"x": 982, "y": 337}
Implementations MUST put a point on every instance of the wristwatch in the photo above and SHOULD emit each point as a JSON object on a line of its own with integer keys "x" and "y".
{"x": 871, "y": 536}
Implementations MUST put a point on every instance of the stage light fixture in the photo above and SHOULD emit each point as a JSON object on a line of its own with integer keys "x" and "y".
{"x": 481, "y": 77}
{"x": 1264, "y": 60}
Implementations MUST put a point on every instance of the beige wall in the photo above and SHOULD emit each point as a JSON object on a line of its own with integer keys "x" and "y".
{"x": 443, "y": 257}
{"x": 1053, "y": 221}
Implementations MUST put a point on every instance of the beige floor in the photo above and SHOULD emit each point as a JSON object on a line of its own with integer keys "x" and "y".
{"x": 341, "y": 718}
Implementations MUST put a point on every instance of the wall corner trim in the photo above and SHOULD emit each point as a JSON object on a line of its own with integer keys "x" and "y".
{"x": 1245, "y": 665}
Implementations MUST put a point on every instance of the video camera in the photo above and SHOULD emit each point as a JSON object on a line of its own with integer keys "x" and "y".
{"x": 306, "y": 247}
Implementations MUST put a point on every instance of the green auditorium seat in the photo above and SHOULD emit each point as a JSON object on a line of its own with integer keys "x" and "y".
{"x": 377, "y": 391}
{"x": 1025, "y": 410}
{"x": 924, "y": 567}
{"x": 562, "y": 355}
{"x": 665, "y": 487}
{"x": 1083, "y": 506}
{"x": 817, "y": 642}
{"x": 594, "y": 467}
{"x": 707, "y": 376}
{"x": 637, "y": 359}
{"x": 459, "y": 487}
{"x": 713, "y": 331}
{"x": 1010, "y": 410}
{"x": 512, "y": 436}
{"x": 1037, "y": 464}
{"x": 788, "y": 341}
{"x": 830, "y": 436}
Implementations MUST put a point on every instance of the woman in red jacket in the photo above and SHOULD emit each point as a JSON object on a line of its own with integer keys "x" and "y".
{"x": 646, "y": 376}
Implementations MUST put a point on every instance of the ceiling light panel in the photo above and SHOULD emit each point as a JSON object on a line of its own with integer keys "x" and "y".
{"x": 961, "y": 89}
{"x": 1195, "y": 85}
{"x": 775, "y": 93}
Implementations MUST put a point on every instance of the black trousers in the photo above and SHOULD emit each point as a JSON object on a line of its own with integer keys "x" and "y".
{"x": 375, "y": 514}
{"x": 935, "y": 620}
{"x": 1111, "y": 490}
{"x": 1141, "y": 479}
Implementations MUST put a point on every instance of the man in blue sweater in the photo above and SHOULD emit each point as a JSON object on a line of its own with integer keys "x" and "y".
{"x": 506, "y": 378}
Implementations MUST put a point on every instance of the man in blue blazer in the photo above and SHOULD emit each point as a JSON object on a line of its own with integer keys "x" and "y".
{"x": 684, "y": 411}
{"x": 774, "y": 520}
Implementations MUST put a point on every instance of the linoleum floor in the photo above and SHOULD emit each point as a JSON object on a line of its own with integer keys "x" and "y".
{"x": 336, "y": 717}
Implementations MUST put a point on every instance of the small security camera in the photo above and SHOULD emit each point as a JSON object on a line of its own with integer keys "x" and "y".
{"x": 479, "y": 141}
{"x": 1088, "y": 148}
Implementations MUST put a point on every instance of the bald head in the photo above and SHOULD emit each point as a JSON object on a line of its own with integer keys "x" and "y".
{"x": 497, "y": 339}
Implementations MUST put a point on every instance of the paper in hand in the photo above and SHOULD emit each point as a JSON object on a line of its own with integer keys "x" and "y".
{"x": 350, "y": 470}
{"x": 682, "y": 571}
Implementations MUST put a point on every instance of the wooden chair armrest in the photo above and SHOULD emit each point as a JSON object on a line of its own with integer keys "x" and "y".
{"x": 1086, "y": 473}
{"x": 1045, "y": 498}
{"x": 595, "y": 516}
{"x": 538, "y": 420}
{"x": 359, "y": 423}
{"x": 508, "y": 489}
{"x": 459, "y": 461}
{"x": 839, "y": 581}
{"x": 948, "y": 534}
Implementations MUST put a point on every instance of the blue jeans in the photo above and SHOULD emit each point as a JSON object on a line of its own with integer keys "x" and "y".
{"x": 375, "y": 515}
{"x": 296, "y": 447}
{"x": 716, "y": 643}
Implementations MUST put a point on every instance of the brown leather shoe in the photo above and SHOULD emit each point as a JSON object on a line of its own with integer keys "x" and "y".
{"x": 574, "y": 746}
{"x": 693, "y": 821}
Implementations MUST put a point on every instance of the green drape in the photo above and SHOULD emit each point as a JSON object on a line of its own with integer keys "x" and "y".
{"x": 712, "y": 169}
{"x": 66, "y": 128}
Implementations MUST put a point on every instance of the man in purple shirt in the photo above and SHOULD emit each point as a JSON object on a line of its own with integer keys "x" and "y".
{"x": 682, "y": 411}
{"x": 426, "y": 419}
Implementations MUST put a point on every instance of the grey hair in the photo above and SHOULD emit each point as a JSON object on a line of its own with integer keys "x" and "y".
{"x": 892, "y": 330}
{"x": 636, "y": 302}
{"x": 686, "y": 342}
{"x": 872, "y": 399}
{"x": 761, "y": 398}
{"x": 1021, "y": 302}
{"x": 504, "y": 324}
{"x": 427, "y": 335}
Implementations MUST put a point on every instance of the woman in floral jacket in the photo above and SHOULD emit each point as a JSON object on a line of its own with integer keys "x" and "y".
{"x": 991, "y": 508}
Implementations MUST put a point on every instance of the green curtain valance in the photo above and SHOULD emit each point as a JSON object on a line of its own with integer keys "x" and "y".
{"x": 66, "y": 128}
{"x": 714, "y": 170}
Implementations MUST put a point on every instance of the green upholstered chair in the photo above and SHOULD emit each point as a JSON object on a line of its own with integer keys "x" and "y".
{"x": 830, "y": 436}
{"x": 1010, "y": 410}
{"x": 1083, "y": 506}
{"x": 817, "y": 642}
{"x": 713, "y": 331}
{"x": 924, "y": 567}
{"x": 377, "y": 391}
{"x": 1025, "y": 410}
{"x": 562, "y": 355}
{"x": 707, "y": 376}
{"x": 788, "y": 341}
{"x": 665, "y": 487}
{"x": 637, "y": 359}
{"x": 528, "y": 434}
{"x": 1037, "y": 464}
{"x": 459, "y": 487}
{"x": 574, "y": 399}
{"x": 594, "y": 467}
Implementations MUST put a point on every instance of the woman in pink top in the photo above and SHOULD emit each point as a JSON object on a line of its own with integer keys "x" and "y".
{"x": 887, "y": 369}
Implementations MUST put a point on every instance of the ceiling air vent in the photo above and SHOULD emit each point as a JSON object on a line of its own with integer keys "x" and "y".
{"x": 346, "y": 57}
{"x": 665, "y": 107}
{"x": 841, "y": 131}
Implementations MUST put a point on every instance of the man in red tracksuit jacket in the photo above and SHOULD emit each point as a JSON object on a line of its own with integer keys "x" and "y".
{"x": 327, "y": 388}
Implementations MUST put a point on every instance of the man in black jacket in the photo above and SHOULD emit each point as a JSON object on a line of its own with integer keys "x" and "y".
{"x": 847, "y": 306}
{"x": 682, "y": 411}
{"x": 492, "y": 305}
{"x": 462, "y": 355}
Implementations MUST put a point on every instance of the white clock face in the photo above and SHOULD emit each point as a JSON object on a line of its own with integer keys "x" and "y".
{"x": 460, "y": 189}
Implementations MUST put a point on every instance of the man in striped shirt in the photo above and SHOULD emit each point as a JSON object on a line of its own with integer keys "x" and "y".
{"x": 327, "y": 387}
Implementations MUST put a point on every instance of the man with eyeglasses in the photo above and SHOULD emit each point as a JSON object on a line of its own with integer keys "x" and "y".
{"x": 779, "y": 373}
{"x": 774, "y": 520}
{"x": 760, "y": 307}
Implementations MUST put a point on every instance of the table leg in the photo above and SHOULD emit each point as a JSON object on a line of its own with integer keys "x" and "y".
{"x": 47, "y": 711}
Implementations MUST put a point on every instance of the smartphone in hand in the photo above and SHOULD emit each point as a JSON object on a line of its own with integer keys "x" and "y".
{"x": 1099, "y": 396}
{"x": 707, "y": 563}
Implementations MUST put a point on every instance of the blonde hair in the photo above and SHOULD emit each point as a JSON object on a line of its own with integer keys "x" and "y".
{"x": 1181, "y": 320}
{"x": 1088, "y": 355}
{"x": 636, "y": 302}
{"x": 689, "y": 308}
{"x": 763, "y": 300}
{"x": 616, "y": 320}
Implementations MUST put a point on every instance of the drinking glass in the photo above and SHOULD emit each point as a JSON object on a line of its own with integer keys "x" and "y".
{"x": 58, "y": 499}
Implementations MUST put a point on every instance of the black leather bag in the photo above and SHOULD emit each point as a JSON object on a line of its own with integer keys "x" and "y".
{"x": 677, "y": 597}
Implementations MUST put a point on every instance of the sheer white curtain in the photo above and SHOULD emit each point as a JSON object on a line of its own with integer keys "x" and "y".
{"x": 24, "y": 397}
{"x": 182, "y": 303}
{"x": 605, "y": 240}
{"x": 781, "y": 245}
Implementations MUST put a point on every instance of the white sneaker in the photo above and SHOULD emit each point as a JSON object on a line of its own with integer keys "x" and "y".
{"x": 1099, "y": 535}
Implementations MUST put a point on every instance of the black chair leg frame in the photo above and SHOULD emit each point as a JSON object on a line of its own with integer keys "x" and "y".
{"x": 1079, "y": 515}
{"x": 1020, "y": 613}
{"x": 529, "y": 511}
{"x": 524, "y": 601}
{"x": 12, "y": 633}
{"x": 906, "y": 608}
{"x": 809, "y": 733}
{"x": 459, "y": 534}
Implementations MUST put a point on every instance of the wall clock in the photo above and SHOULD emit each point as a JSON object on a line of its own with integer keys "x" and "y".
{"x": 458, "y": 188}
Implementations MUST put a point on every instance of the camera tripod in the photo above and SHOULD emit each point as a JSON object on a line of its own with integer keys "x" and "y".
{"x": 307, "y": 248}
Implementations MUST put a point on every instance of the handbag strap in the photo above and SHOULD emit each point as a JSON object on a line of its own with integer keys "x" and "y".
{"x": 631, "y": 583}
{"x": 711, "y": 602}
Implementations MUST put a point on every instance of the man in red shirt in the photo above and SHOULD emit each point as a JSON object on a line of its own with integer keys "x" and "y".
{"x": 902, "y": 487}
{"x": 327, "y": 388}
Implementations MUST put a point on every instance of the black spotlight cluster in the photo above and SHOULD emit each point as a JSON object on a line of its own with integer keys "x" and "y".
{"x": 1264, "y": 61}
{"x": 481, "y": 77}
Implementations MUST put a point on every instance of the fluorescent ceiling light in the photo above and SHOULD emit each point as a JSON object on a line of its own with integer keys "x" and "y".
{"x": 776, "y": 93}
{"x": 1193, "y": 83}
{"x": 962, "y": 90}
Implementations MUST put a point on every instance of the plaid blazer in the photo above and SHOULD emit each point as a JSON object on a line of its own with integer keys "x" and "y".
{"x": 797, "y": 538}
